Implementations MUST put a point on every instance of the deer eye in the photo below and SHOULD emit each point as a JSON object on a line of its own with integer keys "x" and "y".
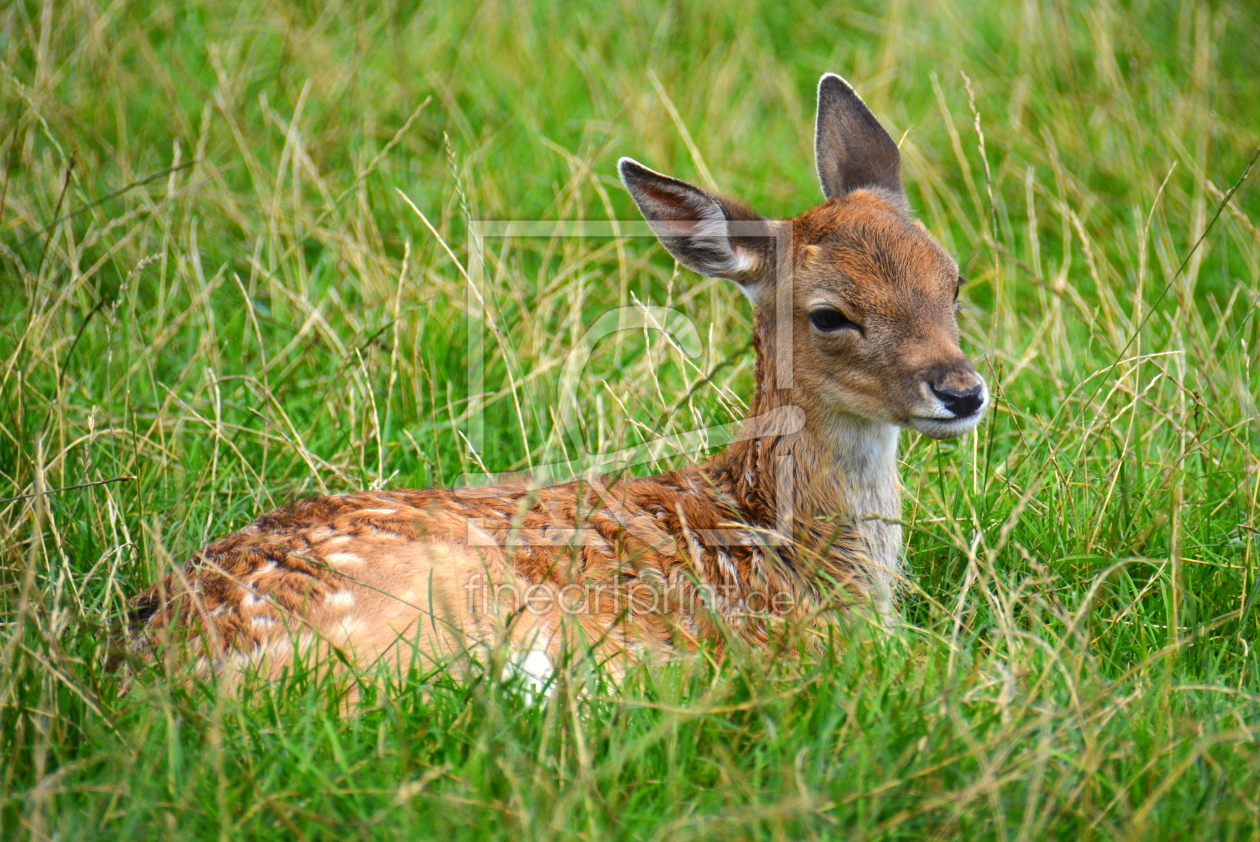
{"x": 829, "y": 321}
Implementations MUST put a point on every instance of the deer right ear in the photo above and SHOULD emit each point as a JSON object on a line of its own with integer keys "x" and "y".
{"x": 853, "y": 151}
{"x": 696, "y": 227}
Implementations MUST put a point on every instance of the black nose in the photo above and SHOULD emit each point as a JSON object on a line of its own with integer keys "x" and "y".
{"x": 961, "y": 404}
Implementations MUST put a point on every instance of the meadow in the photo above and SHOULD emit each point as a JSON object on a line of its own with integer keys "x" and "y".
{"x": 234, "y": 256}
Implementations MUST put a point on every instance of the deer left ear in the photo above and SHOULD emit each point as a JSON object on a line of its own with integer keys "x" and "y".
{"x": 852, "y": 150}
{"x": 712, "y": 236}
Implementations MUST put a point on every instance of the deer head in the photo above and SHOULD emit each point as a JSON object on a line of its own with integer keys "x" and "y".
{"x": 858, "y": 292}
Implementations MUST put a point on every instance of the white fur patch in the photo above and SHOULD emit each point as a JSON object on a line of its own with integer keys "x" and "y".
{"x": 339, "y": 599}
{"x": 534, "y": 668}
{"x": 349, "y": 625}
{"x": 478, "y": 537}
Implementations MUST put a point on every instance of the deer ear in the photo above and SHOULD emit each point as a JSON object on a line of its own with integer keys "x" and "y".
{"x": 696, "y": 227}
{"x": 852, "y": 149}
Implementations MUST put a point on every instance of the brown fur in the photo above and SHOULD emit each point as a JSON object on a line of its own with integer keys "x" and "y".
{"x": 626, "y": 566}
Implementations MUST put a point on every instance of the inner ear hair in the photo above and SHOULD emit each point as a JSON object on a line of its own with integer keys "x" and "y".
{"x": 713, "y": 236}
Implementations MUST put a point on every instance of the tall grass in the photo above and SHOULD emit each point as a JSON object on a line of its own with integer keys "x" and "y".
{"x": 216, "y": 299}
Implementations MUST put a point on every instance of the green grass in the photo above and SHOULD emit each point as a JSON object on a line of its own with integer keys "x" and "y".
{"x": 212, "y": 288}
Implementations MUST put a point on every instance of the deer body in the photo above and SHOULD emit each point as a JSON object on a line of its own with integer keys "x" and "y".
{"x": 798, "y": 518}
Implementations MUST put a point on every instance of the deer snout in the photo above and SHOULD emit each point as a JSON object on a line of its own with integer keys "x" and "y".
{"x": 961, "y": 403}
{"x": 954, "y": 397}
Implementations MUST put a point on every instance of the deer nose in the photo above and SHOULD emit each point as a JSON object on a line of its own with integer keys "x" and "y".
{"x": 961, "y": 403}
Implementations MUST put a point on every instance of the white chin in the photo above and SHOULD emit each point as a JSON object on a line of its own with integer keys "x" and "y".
{"x": 942, "y": 428}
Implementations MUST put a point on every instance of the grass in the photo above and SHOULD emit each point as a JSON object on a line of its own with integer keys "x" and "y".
{"x": 215, "y": 299}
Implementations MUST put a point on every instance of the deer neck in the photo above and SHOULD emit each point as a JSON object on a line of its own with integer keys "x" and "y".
{"x": 840, "y": 468}
{"x": 828, "y": 480}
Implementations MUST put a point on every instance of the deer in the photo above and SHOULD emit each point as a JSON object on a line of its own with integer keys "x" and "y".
{"x": 797, "y": 519}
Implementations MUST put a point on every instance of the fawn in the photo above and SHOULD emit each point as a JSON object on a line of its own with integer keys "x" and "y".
{"x": 856, "y": 338}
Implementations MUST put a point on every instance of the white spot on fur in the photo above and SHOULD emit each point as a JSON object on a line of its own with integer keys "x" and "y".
{"x": 534, "y": 668}
{"x": 262, "y": 622}
{"x": 337, "y": 540}
{"x": 265, "y": 569}
{"x": 378, "y": 511}
{"x": 349, "y": 626}
{"x": 252, "y": 600}
{"x": 340, "y": 599}
{"x": 478, "y": 537}
{"x": 343, "y": 559}
{"x": 742, "y": 263}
